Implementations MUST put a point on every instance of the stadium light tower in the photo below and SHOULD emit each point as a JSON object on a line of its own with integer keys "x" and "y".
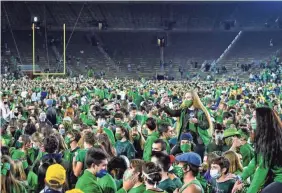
{"x": 35, "y": 19}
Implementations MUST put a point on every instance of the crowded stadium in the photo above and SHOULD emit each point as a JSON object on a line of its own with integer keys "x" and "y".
{"x": 141, "y": 97}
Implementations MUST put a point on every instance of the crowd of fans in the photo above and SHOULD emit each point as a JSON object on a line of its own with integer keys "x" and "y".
{"x": 105, "y": 136}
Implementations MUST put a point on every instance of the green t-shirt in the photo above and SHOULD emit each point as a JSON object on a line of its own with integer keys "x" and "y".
{"x": 125, "y": 148}
{"x": 177, "y": 182}
{"x": 7, "y": 139}
{"x": 69, "y": 154}
{"x": 32, "y": 180}
{"x": 222, "y": 187}
{"x": 138, "y": 189}
{"x": 148, "y": 146}
{"x": 18, "y": 154}
{"x": 167, "y": 185}
{"x": 154, "y": 191}
{"x": 108, "y": 184}
{"x": 81, "y": 155}
{"x": 88, "y": 183}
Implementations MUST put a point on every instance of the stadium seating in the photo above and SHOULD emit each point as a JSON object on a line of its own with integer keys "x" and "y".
{"x": 253, "y": 46}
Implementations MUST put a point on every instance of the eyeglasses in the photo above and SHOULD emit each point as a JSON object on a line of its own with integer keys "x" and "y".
{"x": 219, "y": 131}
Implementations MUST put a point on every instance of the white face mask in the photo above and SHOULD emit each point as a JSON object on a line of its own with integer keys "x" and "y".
{"x": 215, "y": 174}
{"x": 219, "y": 136}
{"x": 101, "y": 122}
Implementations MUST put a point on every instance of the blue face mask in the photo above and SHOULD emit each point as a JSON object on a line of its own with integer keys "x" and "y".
{"x": 101, "y": 173}
{"x": 62, "y": 131}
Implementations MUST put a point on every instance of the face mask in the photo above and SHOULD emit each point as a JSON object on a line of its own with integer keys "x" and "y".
{"x": 101, "y": 173}
{"x": 219, "y": 136}
{"x": 19, "y": 144}
{"x": 178, "y": 171}
{"x": 132, "y": 116}
{"x": 34, "y": 146}
{"x": 186, "y": 104}
{"x": 118, "y": 123}
{"x": 185, "y": 147}
{"x": 127, "y": 174}
{"x": 118, "y": 136}
{"x": 145, "y": 132}
{"x": 62, "y": 131}
{"x": 215, "y": 174}
{"x": 136, "y": 137}
{"x": 67, "y": 140}
{"x": 101, "y": 123}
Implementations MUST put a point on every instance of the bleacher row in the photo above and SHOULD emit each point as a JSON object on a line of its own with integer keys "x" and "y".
{"x": 187, "y": 15}
{"x": 140, "y": 48}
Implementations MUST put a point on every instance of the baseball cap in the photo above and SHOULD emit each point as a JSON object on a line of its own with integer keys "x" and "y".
{"x": 191, "y": 158}
{"x": 186, "y": 136}
{"x": 56, "y": 173}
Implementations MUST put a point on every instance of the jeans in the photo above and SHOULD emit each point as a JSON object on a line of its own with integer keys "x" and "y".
{"x": 274, "y": 187}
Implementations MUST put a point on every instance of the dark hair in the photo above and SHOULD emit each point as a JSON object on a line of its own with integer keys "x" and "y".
{"x": 153, "y": 171}
{"x": 222, "y": 162}
{"x": 163, "y": 128}
{"x": 133, "y": 108}
{"x": 194, "y": 169}
{"x": 89, "y": 138}
{"x": 125, "y": 131}
{"x": 218, "y": 126}
{"x": 41, "y": 172}
{"x": 119, "y": 164}
{"x": 119, "y": 115}
{"x": 94, "y": 156}
{"x": 5, "y": 150}
{"x": 51, "y": 144}
{"x": 75, "y": 134}
{"x": 162, "y": 142}
{"x": 151, "y": 123}
{"x": 268, "y": 137}
{"x": 133, "y": 123}
{"x": 103, "y": 139}
{"x": 163, "y": 159}
{"x": 227, "y": 115}
{"x": 30, "y": 128}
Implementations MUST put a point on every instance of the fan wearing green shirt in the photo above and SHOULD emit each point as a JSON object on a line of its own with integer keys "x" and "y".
{"x": 166, "y": 132}
{"x": 245, "y": 149}
{"x": 153, "y": 135}
{"x": 123, "y": 145}
{"x": 9, "y": 184}
{"x": 71, "y": 140}
{"x": 96, "y": 163}
{"x": 24, "y": 144}
{"x": 190, "y": 164}
{"x": 152, "y": 176}
{"x": 222, "y": 180}
{"x": 136, "y": 168}
{"x": 163, "y": 160}
{"x": 267, "y": 143}
{"x": 79, "y": 158}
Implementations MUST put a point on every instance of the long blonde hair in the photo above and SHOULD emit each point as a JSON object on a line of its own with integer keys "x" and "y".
{"x": 199, "y": 105}
{"x": 9, "y": 182}
{"x": 235, "y": 164}
{"x": 18, "y": 170}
